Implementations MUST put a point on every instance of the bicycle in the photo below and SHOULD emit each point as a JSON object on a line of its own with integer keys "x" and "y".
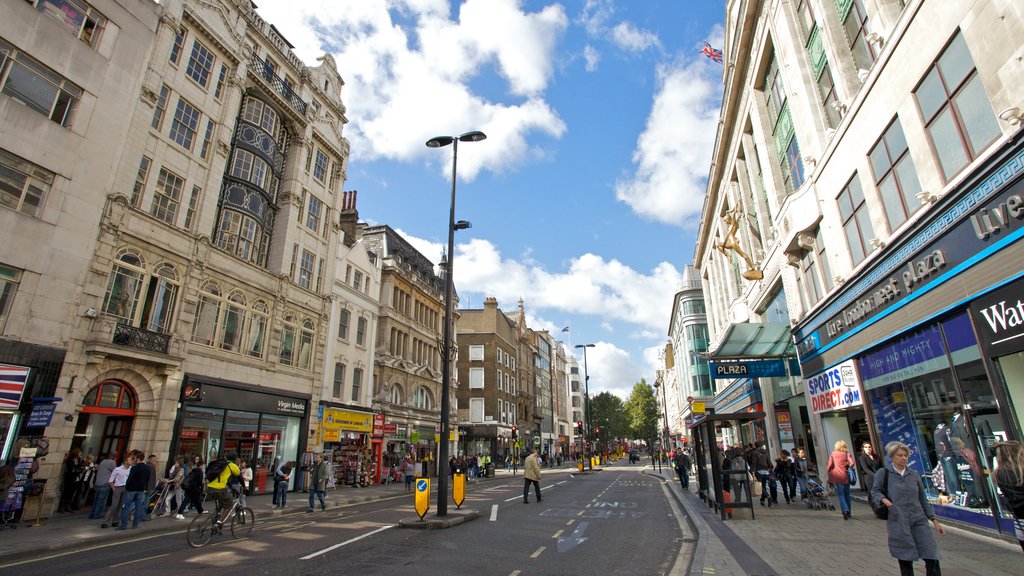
{"x": 203, "y": 527}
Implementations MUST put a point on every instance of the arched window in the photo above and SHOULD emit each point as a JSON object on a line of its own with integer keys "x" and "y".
{"x": 286, "y": 355}
{"x": 421, "y": 399}
{"x": 140, "y": 298}
{"x": 124, "y": 286}
{"x": 305, "y": 345}
{"x": 234, "y": 320}
{"x": 110, "y": 397}
{"x": 207, "y": 311}
{"x": 257, "y": 333}
{"x": 396, "y": 395}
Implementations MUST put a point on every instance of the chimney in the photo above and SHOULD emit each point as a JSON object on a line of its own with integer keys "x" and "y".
{"x": 348, "y": 217}
{"x": 491, "y": 302}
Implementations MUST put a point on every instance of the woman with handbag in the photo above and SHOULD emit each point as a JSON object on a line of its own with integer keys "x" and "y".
{"x": 841, "y": 473}
{"x": 902, "y": 492}
{"x": 1010, "y": 479}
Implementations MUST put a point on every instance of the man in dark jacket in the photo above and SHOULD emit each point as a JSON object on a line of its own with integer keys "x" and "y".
{"x": 682, "y": 465}
{"x": 135, "y": 493}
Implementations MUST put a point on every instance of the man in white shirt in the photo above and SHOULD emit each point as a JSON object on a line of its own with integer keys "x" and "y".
{"x": 118, "y": 478}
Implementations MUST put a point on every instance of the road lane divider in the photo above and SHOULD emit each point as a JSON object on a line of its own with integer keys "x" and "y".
{"x": 494, "y": 512}
{"x": 346, "y": 542}
{"x": 538, "y": 552}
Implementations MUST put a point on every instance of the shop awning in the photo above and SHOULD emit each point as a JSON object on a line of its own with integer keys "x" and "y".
{"x": 738, "y": 417}
{"x": 754, "y": 340}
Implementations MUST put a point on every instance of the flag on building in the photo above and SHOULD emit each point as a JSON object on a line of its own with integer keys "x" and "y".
{"x": 566, "y": 329}
{"x": 12, "y": 385}
{"x": 712, "y": 53}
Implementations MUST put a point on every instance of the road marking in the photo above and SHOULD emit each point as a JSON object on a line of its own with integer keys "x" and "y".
{"x": 569, "y": 523}
{"x": 515, "y": 573}
{"x": 98, "y": 546}
{"x": 346, "y": 542}
{"x": 139, "y": 560}
{"x": 557, "y": 534}
{"x": 538, "y": 552}
{"x": 494, "y": 512}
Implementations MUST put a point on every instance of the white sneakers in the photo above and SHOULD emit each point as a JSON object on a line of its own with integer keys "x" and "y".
{"x": 179, "y": 517}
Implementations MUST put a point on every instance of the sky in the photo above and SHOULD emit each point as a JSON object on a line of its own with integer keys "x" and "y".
{"x": 586, "y": 196}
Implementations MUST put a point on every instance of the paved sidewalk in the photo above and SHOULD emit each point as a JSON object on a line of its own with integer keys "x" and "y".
{"x": 792, "y": 539}
{"x": 73, "y": 530}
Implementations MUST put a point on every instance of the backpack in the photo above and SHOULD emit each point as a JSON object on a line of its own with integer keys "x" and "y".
{"x": 213, "y": 469}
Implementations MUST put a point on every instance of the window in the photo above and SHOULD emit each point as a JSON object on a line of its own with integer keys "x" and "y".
{"x": 77, "y": 16}
{"x": 232, "y": 323}
{"x": 313, "y": 213}
{"x": 305, "y": 345}
{"x": 306, "y": 269}
{"x": 956, "y": 109}
{"x": 9, "y": 279}
{"x": 140, "y": 181}
{"x": 237, "y": 235}
{"x": 190, "y": 212}
{"x": 855, "y": 24}
{"x": 23, "y": 185}
{"x": 220, "y": 81}
{"x": 207, "y": 139}
{"x": 396, "y": 395}
{"x": 343, "y": 318}
{"x": 186, "y": 120}
{"x": 476, "y": 353}
{"x": 795, "y": 177}
{"x": 179, "y": 45}
{"x": 782, "y": 127}
{"x": 895, "y": 175}
{"x": 128, "y": 283}
{"x": 207, "y": 312}
{"x": 319, "y": 274}
{"x": 161, "y": 108}
{"x": 286, "y": 354}
{"x": 476, "y": 378}
{"x": 827, "y": 91}
{"x": 856, "y": 221}
{"x": 37, "y": 87}
{"x": 257, "y": 331}
{"x": 357, "y": 280}
{"x": 357, "y": 383}
{"x": 247, "y": 166}
{"x": 167, "y": 196}
{"x": 814, "y": 272}
{"x": 320, "y": 168}
{"x": 421, "y": 399}
{"x": 200, "y": 64}
{"x": 339, "y": 379}
{"x": 361, "y": 332}
{"x": 476, "y": 410}
{"x": 260, "y": 114}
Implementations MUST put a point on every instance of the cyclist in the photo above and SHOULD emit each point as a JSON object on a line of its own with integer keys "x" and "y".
{"x": 222, "y": 488}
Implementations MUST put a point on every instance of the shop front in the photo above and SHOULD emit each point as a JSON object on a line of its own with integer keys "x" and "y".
{"x": 837, "y": 404}
{"x": 218, "y": 417}
{"x": 347, "y": 444}
{"x": 739, "y": 397}
{"x": 930, "y": 326}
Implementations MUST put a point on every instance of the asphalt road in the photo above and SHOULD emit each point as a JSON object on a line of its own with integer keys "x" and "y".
{"x": 617, "y": 521}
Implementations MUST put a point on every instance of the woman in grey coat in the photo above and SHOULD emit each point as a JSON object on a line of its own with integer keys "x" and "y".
{"x": 910, "y": 536}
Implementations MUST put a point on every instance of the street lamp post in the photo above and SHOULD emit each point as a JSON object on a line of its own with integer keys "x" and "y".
{"x": 586, "y": 401}
{"x": 664, "y": 405}
{"x": 446, "y": 364}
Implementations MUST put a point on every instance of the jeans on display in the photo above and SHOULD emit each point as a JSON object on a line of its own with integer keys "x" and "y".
{"x": 99, "y": 501}
{"x": 134, "y": 501}
{"x": 843, "y": 494}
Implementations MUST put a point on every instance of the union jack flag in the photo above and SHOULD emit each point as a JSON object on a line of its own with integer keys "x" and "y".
{"x": 12, "y": 385}
{"x": 712, "y": 53}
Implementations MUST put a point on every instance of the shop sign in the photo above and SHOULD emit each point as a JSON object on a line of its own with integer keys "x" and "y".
{"x": 391, "y": 430}
{"x": 999, "y": 320}
{"x": 41, "y": 415}
{"x": 336, "y": 419}
{"x": 378, "y": 425}
{"x": 192, "y": 392}
{"x": 785, "y": 421}
{"x": 216, "y": 396}
{"x": 332, "y": 435}
{"x": 834, "y": 389}
{"x": 12, "y": 385}
{"x": 917, "y": 354}
{"x": 730, "y": 400}
{"x": 769, "y": 368}
{"x": 989, "y": 214}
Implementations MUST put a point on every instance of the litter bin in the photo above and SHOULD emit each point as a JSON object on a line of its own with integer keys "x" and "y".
{"x": 489, "y": 470}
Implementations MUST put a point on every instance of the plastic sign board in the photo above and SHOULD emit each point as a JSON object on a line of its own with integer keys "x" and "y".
{"x": 458, "y": 489}
{"x": 834, "y": 389}
{"x": 422, "y": 496}
{"x": 697, "y": 407}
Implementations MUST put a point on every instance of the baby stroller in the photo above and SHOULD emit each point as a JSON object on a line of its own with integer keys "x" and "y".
{"x": 819, "y": 494}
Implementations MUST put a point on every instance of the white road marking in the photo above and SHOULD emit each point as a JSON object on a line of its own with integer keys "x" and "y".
{"x": 345, "y": 543}
{"x": 494, "y": 512}
{"x": 538, "y": 552}
{"x": 139, "y": 560}
{"x": 557, "y": 534}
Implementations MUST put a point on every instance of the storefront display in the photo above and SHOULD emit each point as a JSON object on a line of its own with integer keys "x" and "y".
{"x": 346, "y": 436}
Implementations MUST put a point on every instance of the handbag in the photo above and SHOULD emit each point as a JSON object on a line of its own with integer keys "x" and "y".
{"x": 851, "y": 473}
{"x": 881, "y": 510}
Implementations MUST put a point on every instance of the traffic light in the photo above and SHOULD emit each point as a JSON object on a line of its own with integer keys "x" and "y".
{"x": 597, "y": 430}
{"x": 579, "y": 426}
{"x": 515, "y": 433}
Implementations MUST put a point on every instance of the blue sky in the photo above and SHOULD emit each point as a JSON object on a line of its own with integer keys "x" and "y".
{"x": 585, "y": 197}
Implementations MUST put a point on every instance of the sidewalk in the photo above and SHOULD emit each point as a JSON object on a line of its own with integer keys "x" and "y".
{"x": 792, "y": 539}
{"x": 76, "y": 530}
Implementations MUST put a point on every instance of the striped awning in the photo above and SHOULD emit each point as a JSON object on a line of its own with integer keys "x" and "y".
{"x": 13, "y": 380}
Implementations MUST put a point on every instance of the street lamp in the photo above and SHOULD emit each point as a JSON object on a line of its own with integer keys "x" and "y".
{"x": 446, "y": 364}
{"x": 664, "y": 405}
{"x": 586, "y": 398}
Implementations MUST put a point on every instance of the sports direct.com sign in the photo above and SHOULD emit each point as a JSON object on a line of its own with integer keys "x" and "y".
{"x": 834, "y": 389}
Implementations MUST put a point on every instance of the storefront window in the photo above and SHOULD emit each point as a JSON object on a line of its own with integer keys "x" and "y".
{"x": 201, "y": 432}
{"x": 279, "y": 436}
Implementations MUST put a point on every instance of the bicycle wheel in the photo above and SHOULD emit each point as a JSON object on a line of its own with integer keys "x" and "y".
{"x": 242, "y": 522}
{"x": 200, "y": 530}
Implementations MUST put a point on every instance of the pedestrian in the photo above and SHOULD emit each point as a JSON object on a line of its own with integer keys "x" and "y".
{"x": 902, "y": 491}
{"x": 869, "y": 463}
{"x": 117, "y": 481}
{"x": 246, "y": 481}
{"x": 1010, "y": 479}
{"x": 175, "y": 478}
{"x": 762, "y": 466}
{"x": 408, "y": 470}
{"x": 85, "y": 480}
{"x": 135, "y": 494}
{"x": 784, "y": 473}
{"x": 101, "y": 486}
{"x": 192, "y": 486}
{"x": 531, "y": 474}
{"x": 800, "y": 470}
{"x": 318, "y": 481}
{"x": 839, "y": 464}
{"x": 682, "y": 464}
{"x": 282, "y": 475}
{"x": 71, "y": 470}
{"x": 151, "y": 484}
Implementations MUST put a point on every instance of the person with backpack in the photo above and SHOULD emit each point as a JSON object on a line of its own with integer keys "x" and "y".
{"x": 193, "y": 489}
{"x": 682, "y": 465}
{"x": 223, "y": 478}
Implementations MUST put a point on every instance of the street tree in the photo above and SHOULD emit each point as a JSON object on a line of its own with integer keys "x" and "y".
{"x": 642, "y": 412}
{"x": 607, "y": 412}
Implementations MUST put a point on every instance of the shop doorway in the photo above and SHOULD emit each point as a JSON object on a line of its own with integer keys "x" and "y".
{"x": 105, "y": 422}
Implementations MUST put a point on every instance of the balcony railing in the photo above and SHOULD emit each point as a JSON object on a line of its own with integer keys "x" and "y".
{"x": 125, "y": 335}
{"x": 266, "y": 71}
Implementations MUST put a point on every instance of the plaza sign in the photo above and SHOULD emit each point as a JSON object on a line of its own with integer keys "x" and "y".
{"x": 754, "y": 368}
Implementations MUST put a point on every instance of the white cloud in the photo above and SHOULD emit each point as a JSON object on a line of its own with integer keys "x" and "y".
{"x": 592, "y": 57}
{"x": 673, "y": 153}
{"x": 611, "y": 370}
{"x": 629, "y": 37}
{"x": 595, "y": 14}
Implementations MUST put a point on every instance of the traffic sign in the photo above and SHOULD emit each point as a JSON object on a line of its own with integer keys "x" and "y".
{"x": 422, "y": 496}
{"x": 458, "y": 489}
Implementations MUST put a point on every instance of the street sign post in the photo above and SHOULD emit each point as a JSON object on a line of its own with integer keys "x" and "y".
{"x": 458, "y": 489}
{"x": 422, "y": 496}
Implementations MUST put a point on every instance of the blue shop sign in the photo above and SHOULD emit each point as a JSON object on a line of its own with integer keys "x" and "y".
{"x": 755, "y": 368}
{"x": 41, "y": 415}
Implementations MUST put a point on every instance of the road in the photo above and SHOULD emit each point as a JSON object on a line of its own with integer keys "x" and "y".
{"x": 617, "y": 521}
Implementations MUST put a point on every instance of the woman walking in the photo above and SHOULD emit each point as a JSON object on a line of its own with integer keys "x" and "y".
{"x": 869, "y": 464}
{"x": 839, "y": 464}
{"x": 902, "y": 492}
{"x": 193, "y": 487}
{"x": 73, "y": 465}
{"x": 1010, "y": 479}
